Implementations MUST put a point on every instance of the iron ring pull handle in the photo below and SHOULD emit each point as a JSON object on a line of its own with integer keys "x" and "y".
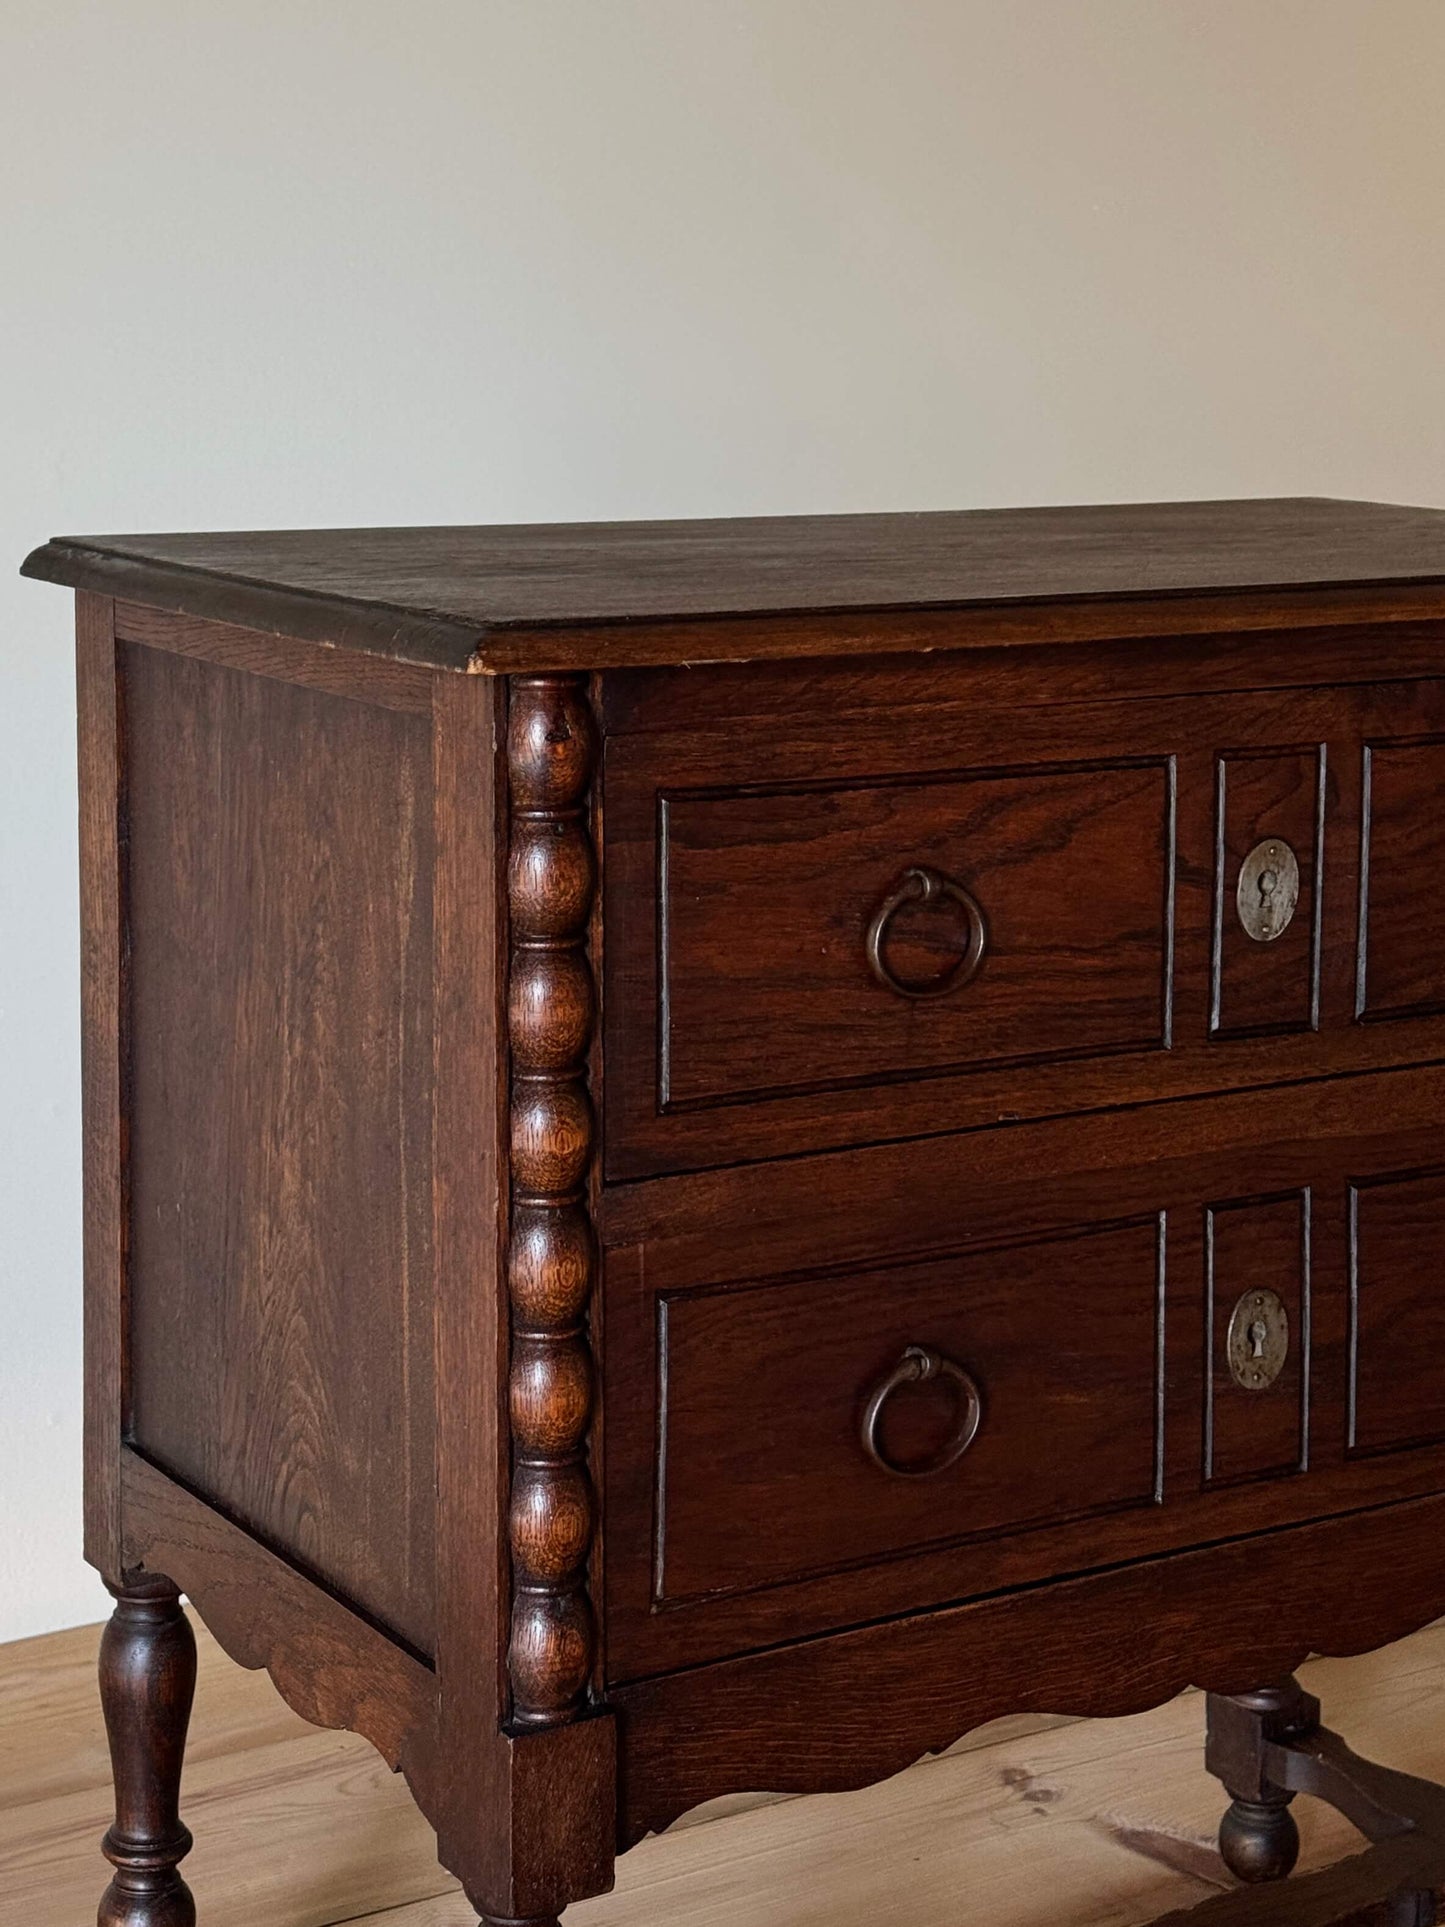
{"x": 920, "y": 885}
{"x": 916, "y": 1367}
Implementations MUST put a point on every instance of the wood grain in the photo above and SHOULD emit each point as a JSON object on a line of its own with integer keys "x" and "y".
{"x": 582, "y": 596}
{"x": 769, "y": 695}
{"x": 1397, "y": 1319}
{"x": 738, "y": 1366}
{"x": 1402, "y": 911}
{"x": 1105, "y": 1821}
{"x": 1221, "y": 1618}
{"x": 331, "y": 1665}
{"x": 765, "y": 1386}
{"x": 469, "y": 1219}
{"x": 768, "y": 895}
{"x": 103, "y": 1071}
{"x": 341, "y": 672}
{"x": 1262, "y": 989}
{"x": 1255, "y": 1242}
{"x": 330, "y": 900}
{"x": 743, "y": 1020}
{"x": 279, "y": 893}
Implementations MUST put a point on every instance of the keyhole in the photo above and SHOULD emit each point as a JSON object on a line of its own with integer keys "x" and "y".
{"x": 1258, "y": 1333}
{"x": 1268, "y": 884}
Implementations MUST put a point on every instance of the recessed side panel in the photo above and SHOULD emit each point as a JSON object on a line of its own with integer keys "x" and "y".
{"x": 1269, "y": 840}
{"x": 1397, "y": 1311}
{"x": 1257, "y": 1279}
{"x": 278, "y": 886}
{"x": 1402, "y": 897}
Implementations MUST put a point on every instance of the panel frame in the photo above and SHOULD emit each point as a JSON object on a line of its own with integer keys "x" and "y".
{"x": 895, "y": 1272}
{"x": 1389, "y": 1014}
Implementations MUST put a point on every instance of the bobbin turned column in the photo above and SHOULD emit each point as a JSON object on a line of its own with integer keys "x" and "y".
{"x": 147, "y": 1683}
{"x": 550, "y": 881}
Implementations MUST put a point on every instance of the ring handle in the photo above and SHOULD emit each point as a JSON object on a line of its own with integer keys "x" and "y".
{"x": 916, "y": 1367}
{"x": 920, "y": 885}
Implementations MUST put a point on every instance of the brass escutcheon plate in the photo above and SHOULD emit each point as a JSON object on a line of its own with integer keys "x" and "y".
{"x": 1258, "y": 1340}
{"x": 1268, "y": 891}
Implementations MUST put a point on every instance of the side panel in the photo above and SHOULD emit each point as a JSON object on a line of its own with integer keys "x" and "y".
{"x": 278, "y": 882}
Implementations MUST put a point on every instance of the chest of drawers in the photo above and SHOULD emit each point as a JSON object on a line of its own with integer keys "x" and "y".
{"x": 717, "y": 1151}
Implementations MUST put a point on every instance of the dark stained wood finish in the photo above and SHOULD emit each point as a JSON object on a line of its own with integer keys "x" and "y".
{"x": 1251, "y": 1243}
{"x": 1402, "y": 906}
{"x": 103, "y": 1072}
{"x": 1397, "y": 1310}
{"x": 811, "y": 1241}
{"x": 1267, "y": 1746}
{"x": 825, "y": 1715}
{"x": 147, "y": 1684}
{"x": 765, "y": 1386}
{"x": 742, "y": 1017}
{"x": 354, "y": 1359}
{"x": 434, "y": 594}
{"x": 766, "y": 895}
{"x": 280, "y": 1309}
{"x": 1258, "y": 1837}
{"x": 525, "y": 1819}
{"x": 328, "y": 1663}
{"x": 370, "y": 679}
{"x": 767, "y": 696}
{"x": 551, "y": 751}
{"x": 1261, "y": 989}
{"x": 469, "y": 1139}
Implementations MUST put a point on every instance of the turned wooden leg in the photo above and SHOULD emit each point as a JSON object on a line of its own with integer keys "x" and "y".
{"x": 147, "y": 1683}
{"x": 1258, "y": 1836}
{"x": 502, "y": 1920}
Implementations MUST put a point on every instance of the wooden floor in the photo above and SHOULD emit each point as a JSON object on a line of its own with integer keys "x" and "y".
{"x": 1102, "y": 1824}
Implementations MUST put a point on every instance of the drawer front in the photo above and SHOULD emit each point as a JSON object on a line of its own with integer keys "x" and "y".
{"x": 768, "y": 990}
{"x": 936, "y": 916}
{"x": 820, "y": 1406}
{"x": 871, "y": 1382}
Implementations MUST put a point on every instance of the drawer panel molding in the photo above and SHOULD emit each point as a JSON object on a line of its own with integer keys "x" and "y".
{"x": 1397, "y": 1310}
{"x": 1253, "y": 1244}
{"x": 767, "y": 897}
{"x": 1401, "y": 969}
{"x": 764, "y": 1387}
{"x": 1267, "y": 988}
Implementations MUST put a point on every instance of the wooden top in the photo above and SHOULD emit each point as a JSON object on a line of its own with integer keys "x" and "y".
{"x": 604, "y": 594}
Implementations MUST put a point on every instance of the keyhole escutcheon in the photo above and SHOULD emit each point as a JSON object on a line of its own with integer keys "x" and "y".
{"x": 1258, "y": 1340}
{"x": 1268, "y": 890}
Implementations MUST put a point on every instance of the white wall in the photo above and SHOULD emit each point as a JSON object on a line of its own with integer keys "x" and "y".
{"x": 465, "y": 260}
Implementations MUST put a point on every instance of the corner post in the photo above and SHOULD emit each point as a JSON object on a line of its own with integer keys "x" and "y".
{"x": 551, "y": 875}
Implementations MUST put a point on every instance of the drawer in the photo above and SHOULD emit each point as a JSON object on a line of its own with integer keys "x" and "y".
{"x": 842, "y": 1410}
{"x": 880, "y": 1380}
{"x": 826, "y": 937}
{"x": 939, "y": 916}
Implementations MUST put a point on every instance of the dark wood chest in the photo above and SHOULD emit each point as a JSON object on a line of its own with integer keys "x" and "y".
{"x": 718, "y": 1151}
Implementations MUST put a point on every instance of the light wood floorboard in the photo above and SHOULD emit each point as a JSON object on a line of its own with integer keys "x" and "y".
{"x": 1030, "y": 1824}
